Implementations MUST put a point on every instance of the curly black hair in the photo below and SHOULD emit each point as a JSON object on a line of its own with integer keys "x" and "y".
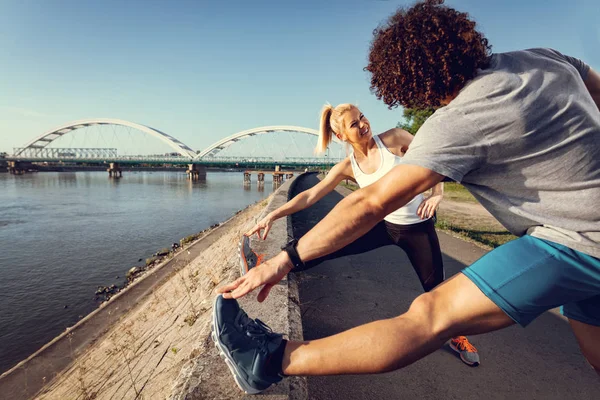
{"x": 423, "y": 54}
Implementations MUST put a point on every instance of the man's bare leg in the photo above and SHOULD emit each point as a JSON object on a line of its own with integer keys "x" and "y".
{"x": 455, "y": 307}
{"x": 588, "y": 337}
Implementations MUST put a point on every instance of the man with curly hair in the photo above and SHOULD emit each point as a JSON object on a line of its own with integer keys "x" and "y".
{"x": 521, "y": 131}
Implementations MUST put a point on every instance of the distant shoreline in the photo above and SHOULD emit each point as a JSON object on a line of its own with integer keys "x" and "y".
{"x": 79, "y": 168}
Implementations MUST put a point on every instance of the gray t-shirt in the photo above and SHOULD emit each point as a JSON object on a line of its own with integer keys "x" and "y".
{"x": 524, "y": 138}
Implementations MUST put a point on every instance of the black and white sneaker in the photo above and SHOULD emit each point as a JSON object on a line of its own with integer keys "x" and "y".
{"x": 245, "y": 344}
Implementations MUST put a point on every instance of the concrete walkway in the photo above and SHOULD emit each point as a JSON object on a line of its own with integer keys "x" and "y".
{"x": 540, "y": 362}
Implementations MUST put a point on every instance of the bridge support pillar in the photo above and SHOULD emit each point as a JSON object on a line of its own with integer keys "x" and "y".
{"x": 114, "y": 170}
{"x": 247, "y": 177}
{"x": 289, "y": 176}
{"x": 18, "y": 167}
{"x": 261, "y": 177}
{"x": 195, "y": 171}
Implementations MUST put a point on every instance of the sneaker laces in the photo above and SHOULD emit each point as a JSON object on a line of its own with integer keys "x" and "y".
{"x": 256, "y": 329}
{"x": 463, "y": 344}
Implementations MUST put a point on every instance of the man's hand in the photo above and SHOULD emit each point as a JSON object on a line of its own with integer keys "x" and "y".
{"x": 428, "y": 206}
{"x": 267, "y": 274}
{"x": 263, "y": 224}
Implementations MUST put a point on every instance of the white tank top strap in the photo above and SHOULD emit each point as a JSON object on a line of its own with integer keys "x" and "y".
{"x": 385, "y": 152}
{"x": 378, "y": 142}
{"x": 355, "y": 170}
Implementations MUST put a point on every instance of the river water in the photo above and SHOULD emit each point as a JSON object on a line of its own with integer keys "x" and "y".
{"x": 64, "y": 234}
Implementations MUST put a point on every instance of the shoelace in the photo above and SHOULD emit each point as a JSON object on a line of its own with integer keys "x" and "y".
{"x": 257, "y": 329}
{"x": 463, "y": 344}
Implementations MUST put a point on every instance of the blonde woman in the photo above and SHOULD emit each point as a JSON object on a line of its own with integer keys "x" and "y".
{"x": 410, "y": 227}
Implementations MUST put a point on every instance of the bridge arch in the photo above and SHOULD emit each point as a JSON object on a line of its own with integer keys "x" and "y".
{"x": 228, "y": 141}
{"x": 45, "y": 139}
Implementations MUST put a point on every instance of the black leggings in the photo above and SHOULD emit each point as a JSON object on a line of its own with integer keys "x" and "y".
{"x": 419, "y": 241}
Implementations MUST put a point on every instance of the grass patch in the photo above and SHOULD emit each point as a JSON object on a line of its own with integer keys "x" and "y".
{"x": 350, "y": 185}
{"x": 489, "y": 236}
{"x": 457, "y": 192}
{"x": 190, "y": 239}
{"x": 190, "y": 319}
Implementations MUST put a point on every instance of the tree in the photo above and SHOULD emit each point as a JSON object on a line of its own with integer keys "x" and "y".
{"x": 414, "y": 118}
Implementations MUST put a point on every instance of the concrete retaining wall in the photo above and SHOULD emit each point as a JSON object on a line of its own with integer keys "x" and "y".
{"x": 281, "y": 311}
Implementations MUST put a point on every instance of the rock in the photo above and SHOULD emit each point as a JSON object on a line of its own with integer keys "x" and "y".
{"x": 162, "y": 253}
{"x": 132, "y": 273}
{"x": 66, "y": 306}
{"x": 151, "y": 260}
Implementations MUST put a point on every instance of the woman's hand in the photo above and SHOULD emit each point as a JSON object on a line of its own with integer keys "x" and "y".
{"x": 267, "y": 274}
{"x": 263, "y": 224}
{"x": 428, "y": 206}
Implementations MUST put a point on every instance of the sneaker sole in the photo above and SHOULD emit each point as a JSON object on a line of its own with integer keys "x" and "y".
{"x": 461, "y": 356}
{"x": 243, "y": 268}
{"x": 224, "y": 354}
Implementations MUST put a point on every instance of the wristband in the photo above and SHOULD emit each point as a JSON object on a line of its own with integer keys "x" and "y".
{"x": 290, "y": 249}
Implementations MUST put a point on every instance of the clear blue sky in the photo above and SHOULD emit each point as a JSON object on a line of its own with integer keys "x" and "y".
{"x": 202, "y": 70}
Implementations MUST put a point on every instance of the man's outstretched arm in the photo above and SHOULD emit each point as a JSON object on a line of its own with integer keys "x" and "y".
{"x": 362, "y": 210}
{"x": 350, "y": 219}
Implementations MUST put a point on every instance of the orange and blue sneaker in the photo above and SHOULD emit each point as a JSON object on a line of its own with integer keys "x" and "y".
{"x": 248, "y": 257}
{"x": 468, "y": 352}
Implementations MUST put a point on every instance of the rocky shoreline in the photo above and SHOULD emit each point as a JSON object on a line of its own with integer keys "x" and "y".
{"x": 105, "y": 293}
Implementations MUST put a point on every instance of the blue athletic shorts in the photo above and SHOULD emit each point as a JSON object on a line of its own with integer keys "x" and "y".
{"x": 528, "y": 276}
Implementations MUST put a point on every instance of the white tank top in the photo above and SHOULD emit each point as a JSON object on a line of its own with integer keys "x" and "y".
{"x": 406, "y": 215}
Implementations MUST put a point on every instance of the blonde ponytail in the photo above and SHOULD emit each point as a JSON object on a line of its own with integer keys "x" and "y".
{"x": 331, "y": 123}
{"x": 325, "y": 131}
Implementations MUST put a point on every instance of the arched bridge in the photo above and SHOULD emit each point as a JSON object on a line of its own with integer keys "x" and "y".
{"x": 39, "y": 149}
{"x": 42, "y": 141}
{"x": 212, "y": 150}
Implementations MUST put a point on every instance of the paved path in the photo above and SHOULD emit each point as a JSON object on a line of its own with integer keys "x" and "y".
{"x": 540, "y": 362}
